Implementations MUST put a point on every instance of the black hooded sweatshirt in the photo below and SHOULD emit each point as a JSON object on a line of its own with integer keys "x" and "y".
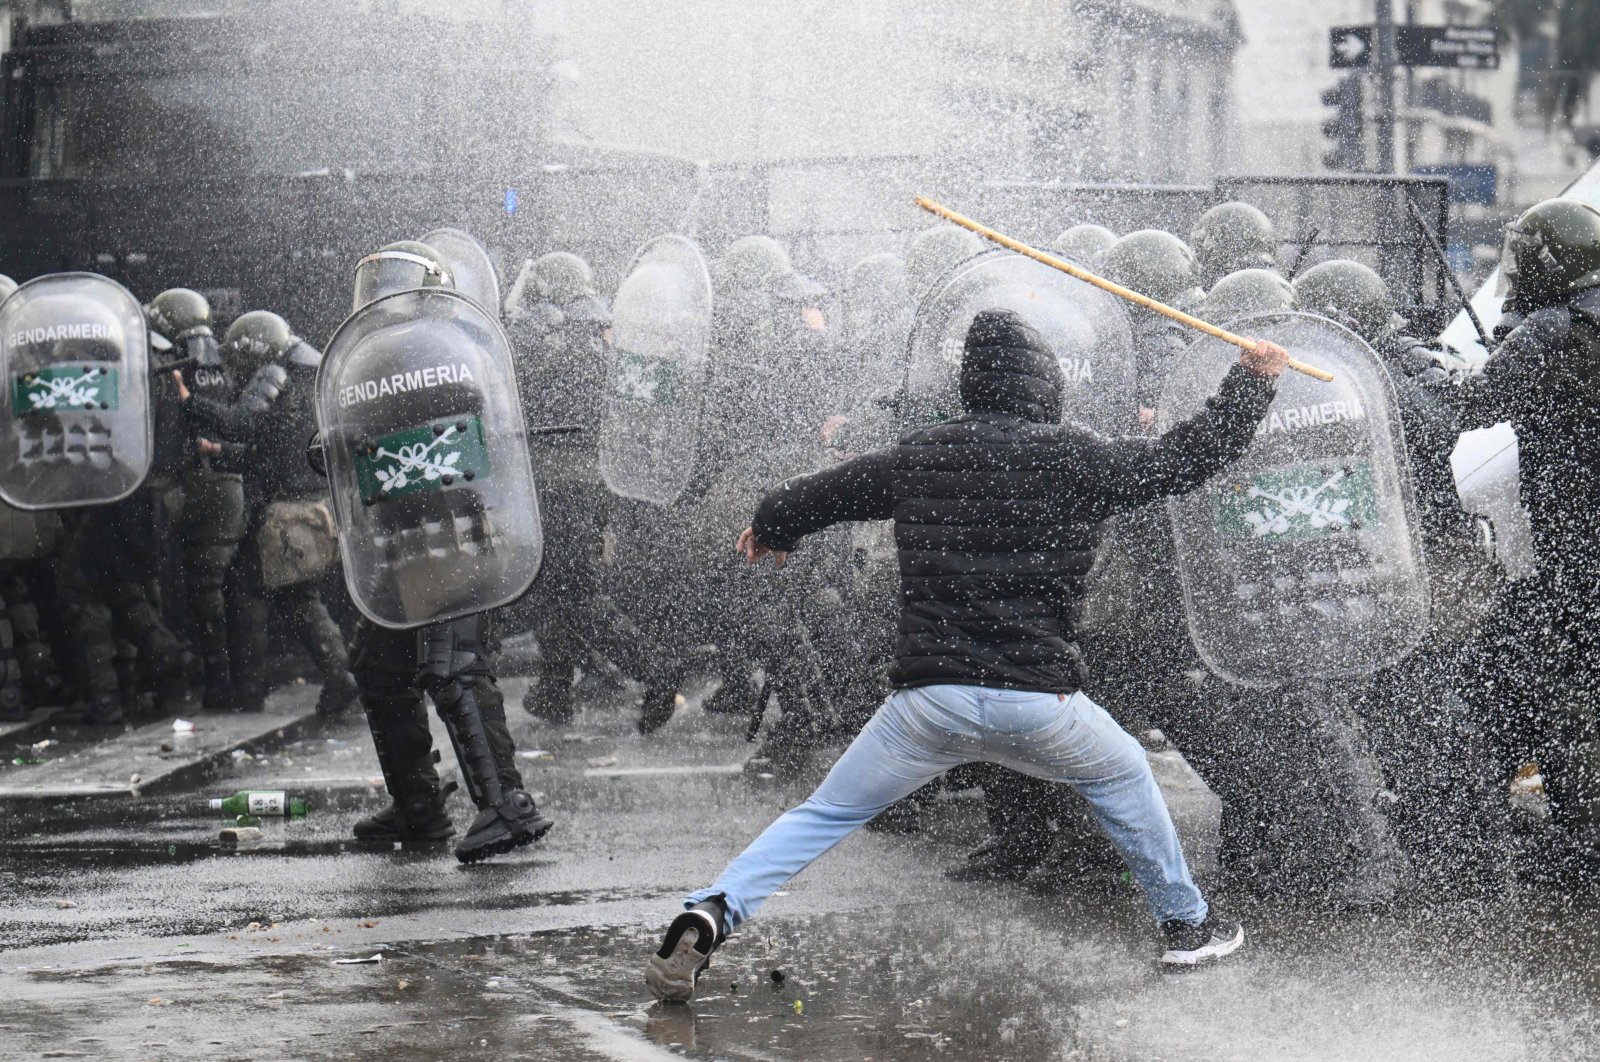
{"x": 997, "y": 513}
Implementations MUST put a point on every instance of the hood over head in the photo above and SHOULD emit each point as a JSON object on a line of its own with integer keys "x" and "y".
{"x": 1007, "y": 367}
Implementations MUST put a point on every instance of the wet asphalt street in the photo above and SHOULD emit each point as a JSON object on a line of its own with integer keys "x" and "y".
{"x": 130, "y": 932}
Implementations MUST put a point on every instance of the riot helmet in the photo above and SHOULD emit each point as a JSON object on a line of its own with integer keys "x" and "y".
{"x": 1230, "y": 237}
{"x": 401, "y": 266}
{"x": 755, "y": 261}
{"x": 1085, "y": 243}
{"x": 1348, "y": 292}
{"x": 874, "y": 292}
{"x": 179, "y": 313}
{"x": 7, "y": 286}
{"x": 1552, "y": 250}
{"x": 256, "y": 338}
{"x": 933, "y": 251}
{"x": 1153, "y": 263}
{"x": 561, "y": 277}
{"x": 1247, "y": 292}
{"x": 471, "y": 270}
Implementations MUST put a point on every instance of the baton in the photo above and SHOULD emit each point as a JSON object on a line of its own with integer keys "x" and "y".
{"x": 558, "y": 429}
{"x": 1105, "y": 285}
{"x": 172, "y": 366}
{"x": 1450, "y": 274}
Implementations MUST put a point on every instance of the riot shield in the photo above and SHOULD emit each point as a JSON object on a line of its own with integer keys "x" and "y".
{"x": 1301, "y": 560}
{"x": 75, "y": 428}
{"x": 1087, "y": 328}
{"x": 469, "y": 265}
{"x": 661, "y": 328}
{"x": 427, "y": 459}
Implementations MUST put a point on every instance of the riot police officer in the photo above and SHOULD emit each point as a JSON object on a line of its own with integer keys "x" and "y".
{"x": 213, "y": 495}
{"x": 1433, "y": 753}
{"x": 1537, "y": 657}
{"x": 125, "y": 562}
{"x": 225, "y": 429}
{"x": 1230, "y": 237}
{"x": 1157, "y": 264}
{"x": 563, "y": 354}
{"x": 769, "y": 334}
{"x": 384, "y": 519}
{"x": 288, "y": 541}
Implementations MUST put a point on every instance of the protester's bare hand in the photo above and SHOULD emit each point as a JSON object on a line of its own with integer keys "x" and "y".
{"x": 831, "y": 426}
{"x": 1266, "y": 358}
{"x": 207, "y": 447}
{"x": 1147, "y": 417}
{"x": 753, "y": 551}
{"x": 183, "y": 388}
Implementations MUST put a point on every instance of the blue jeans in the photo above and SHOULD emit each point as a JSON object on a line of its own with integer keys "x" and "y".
{"x": 920, "y": 733}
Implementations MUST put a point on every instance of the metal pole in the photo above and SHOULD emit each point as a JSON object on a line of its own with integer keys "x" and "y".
{"x": 1383, "y": 70}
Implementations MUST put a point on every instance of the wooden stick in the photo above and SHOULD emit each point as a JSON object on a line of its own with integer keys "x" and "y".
{"x": 1105, "y": 285}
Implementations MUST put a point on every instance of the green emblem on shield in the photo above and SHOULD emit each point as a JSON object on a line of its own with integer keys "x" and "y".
{"x": 64, "y": 389}
{"x": 1311, "y": 501}
{"x": 641, "y": 378}
{"x": 430, "y": 457}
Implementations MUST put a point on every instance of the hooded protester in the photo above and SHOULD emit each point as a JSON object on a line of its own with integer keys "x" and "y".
{"x": 996, "y": 517}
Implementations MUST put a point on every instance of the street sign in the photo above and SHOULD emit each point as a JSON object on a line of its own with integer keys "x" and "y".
{"x": 1349, "y": 47}
{"x": 1470, "y": 182}
{"x": 1461, "y": 47}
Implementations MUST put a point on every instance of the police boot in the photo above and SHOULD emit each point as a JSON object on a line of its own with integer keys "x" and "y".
{"x": 405, "y": 755}
{"x": 549, "y": 697}
{"x": 104, "y": 708}
{"x": 473, "y": 713}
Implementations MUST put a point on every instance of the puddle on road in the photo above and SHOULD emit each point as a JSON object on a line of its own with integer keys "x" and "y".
{"x": 947, "y": 981}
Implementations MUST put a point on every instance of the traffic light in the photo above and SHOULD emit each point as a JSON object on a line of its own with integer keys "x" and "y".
{"x": 1347, "y": 128}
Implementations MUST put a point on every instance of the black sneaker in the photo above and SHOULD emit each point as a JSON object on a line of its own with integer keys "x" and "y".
{"x": 1197, "y": 943}
{"x": 685, "y": 953}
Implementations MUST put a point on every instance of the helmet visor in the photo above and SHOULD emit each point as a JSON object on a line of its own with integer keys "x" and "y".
{"x": 388, "y": 272}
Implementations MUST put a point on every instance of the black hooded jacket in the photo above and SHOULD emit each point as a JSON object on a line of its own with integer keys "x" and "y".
{"x": 997, "y": 513}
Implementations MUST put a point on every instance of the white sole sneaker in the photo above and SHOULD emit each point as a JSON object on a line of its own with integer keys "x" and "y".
{"x": 673, "y": 971}
{"x": 1210, "y": 951}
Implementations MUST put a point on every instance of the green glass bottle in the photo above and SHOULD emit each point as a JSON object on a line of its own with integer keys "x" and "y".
{"x": 261, "y": 802}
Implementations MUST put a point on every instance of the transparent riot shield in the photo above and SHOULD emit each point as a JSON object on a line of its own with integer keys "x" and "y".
{"x": 427, "y": 459}
{"x": 469, "y": 265}
{"x": 661, "y": 329}
{"x": 1302, "y": 559}
{"x": 76, "y": 419}
{"x": 1088, "y": 329}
